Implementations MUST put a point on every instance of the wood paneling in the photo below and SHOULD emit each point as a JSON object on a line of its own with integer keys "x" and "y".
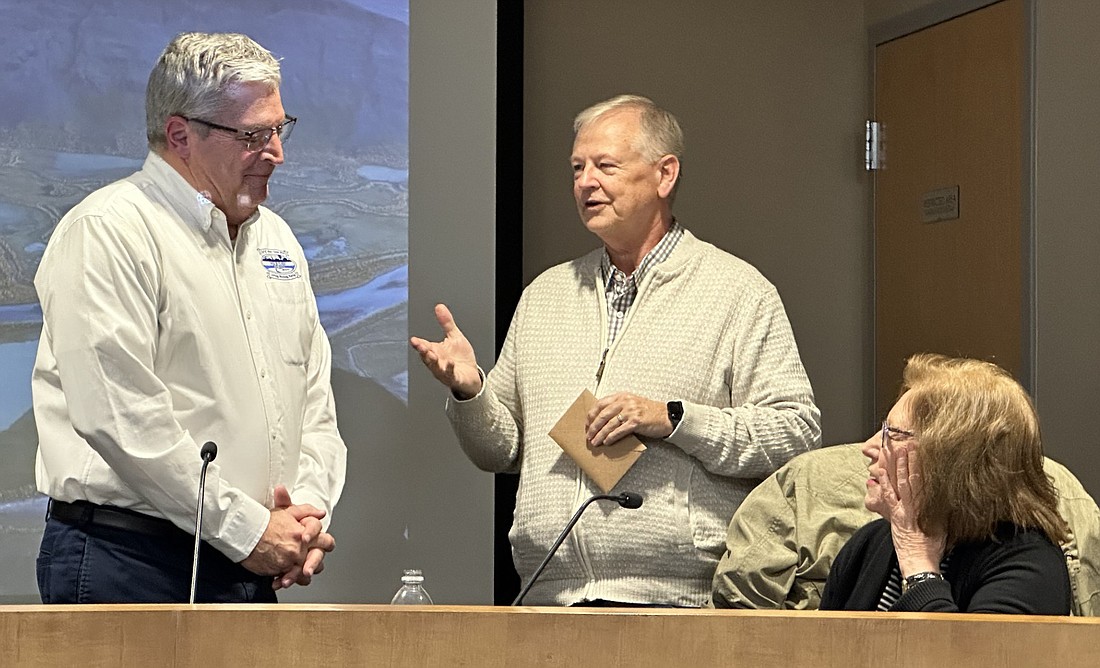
{"x": 370, "y": 635}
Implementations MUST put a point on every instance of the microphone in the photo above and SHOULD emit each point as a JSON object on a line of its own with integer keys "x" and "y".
{"x": 629, "y": 500}
{"x": 626, "y": 500}
{"x": 208, "y": 452}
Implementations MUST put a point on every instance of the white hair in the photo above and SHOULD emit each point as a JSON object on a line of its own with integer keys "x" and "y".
{"x": 195, "y": 76}
{"x": 660, "y": 133}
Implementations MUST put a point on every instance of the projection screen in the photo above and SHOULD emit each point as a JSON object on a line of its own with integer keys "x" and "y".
{"x": 389, "y": 186}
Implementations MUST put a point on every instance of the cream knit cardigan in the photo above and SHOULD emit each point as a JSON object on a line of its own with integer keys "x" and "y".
{"x": 706, "y": 329}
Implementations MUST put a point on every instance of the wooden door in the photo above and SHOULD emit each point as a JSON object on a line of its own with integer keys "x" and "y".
{"x": 951, "y": 101}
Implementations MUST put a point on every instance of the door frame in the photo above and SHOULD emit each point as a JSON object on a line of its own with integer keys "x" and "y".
{"x": 913, "y": 21}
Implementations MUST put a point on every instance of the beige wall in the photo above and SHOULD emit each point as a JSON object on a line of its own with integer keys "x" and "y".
{"x": 877, "y": 11}
{"x": 1067, "y": 221}
{"x": 772, "y": 98}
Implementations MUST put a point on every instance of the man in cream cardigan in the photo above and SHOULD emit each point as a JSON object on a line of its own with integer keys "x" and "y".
{"x": 683, "y": 345}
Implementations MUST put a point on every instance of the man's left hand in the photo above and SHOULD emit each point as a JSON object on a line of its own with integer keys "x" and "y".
{"x": 620, "y": 414}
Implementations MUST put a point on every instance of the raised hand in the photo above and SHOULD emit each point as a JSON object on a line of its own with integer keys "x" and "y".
{"x": 451, "y": 360}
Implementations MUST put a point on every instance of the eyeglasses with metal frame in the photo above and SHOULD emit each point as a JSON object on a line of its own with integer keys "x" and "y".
{"x": 891, "y": 434}
{"x": 254, "y": 140}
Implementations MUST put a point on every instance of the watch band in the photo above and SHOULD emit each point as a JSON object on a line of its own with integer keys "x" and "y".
{"x": 917, "y": 578}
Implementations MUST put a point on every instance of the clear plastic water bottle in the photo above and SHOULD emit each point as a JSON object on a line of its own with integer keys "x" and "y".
{"x": 412, "y": 590}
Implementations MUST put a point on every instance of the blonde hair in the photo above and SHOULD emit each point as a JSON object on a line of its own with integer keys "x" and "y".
{"x": 980, "y": 451}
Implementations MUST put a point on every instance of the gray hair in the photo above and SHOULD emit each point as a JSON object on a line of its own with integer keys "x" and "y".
{"x": 660, "y": 131}
{"x": 196, "y": 74}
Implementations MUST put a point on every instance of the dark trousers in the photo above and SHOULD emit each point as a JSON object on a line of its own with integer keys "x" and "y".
{"x": 86, "y": 562}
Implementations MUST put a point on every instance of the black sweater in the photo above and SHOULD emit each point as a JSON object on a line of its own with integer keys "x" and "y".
{"x": 1021, "y": 572}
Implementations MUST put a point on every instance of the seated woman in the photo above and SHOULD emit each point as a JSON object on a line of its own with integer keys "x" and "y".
{"x": 970, "y": 522}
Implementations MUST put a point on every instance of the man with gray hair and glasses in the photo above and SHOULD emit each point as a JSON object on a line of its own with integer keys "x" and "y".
{"x": 177, "y": 310}
{"x": 683, "y": 345}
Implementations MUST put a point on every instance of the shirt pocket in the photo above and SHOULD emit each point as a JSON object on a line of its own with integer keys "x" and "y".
{"x": 290, "y": 310}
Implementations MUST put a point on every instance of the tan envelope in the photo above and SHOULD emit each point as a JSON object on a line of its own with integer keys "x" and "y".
{"x": 605, "y": 464}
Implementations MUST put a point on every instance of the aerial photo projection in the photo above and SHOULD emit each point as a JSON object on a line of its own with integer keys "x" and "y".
{"x": 72, "y": 120}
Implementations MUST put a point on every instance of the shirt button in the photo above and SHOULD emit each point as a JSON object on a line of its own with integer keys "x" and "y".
{"x": 619, "y": 314}
{"x": 263, "y": 373}
{"x": 248, "y": 315}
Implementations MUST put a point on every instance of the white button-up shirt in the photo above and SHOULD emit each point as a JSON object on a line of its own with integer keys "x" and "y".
{"x": 159, "y": 334}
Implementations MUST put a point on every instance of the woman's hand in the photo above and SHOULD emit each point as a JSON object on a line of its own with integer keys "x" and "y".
{"x": 917, "y": 551}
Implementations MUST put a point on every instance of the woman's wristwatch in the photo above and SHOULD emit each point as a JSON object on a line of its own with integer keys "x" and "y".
{"x": 917, "y": 578}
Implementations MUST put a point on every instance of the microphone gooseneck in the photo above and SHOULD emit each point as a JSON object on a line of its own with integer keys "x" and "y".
{"x": 626, "y": 500}
{"x": 208, "y": 452}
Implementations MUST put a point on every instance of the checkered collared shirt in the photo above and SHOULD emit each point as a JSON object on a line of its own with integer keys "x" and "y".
{"x": 621, "y": 290}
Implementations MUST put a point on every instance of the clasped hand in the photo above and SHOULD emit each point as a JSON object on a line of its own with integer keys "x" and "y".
{"x": 293, "y": 546}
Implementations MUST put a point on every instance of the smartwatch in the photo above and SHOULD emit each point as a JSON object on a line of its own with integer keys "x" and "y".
{"x": 675, "y": 413}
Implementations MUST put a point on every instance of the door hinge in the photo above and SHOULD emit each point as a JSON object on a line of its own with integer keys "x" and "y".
{"x": 874, "y": 153}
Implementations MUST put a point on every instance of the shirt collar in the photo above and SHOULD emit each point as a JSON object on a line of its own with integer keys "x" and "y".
{"x": 190, "y": 205}
{"x": 657, "y": 255}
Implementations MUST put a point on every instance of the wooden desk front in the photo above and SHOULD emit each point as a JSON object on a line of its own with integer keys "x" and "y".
{"x": 213, "y": 636}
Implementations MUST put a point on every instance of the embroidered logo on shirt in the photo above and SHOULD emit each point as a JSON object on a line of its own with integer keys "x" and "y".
{"x": 279, "y": 265}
